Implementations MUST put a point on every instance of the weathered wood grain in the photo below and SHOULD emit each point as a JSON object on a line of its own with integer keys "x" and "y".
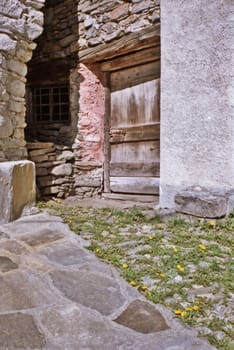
{"x": 137, "y": 152}
{"x": 132, "y": 169}
{"x": 134, "y": 129}
{"x": 136, "y": 105}
{"x": 132, "y": 59}
{"x": 135, "y": 75}
{"x": 132, "y": 197}
{"x": 144, "y": 185}
{"x": 107, "y": 150}
{"x": 137, "y": 133}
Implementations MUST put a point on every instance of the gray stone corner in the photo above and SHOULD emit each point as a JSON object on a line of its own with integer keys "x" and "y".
{"x": 17, "y": 189}
{"x": 202, "y": 203}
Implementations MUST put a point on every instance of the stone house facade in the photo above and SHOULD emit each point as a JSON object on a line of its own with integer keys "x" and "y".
{"x": 65, "y": 137}
{"x": 80, "y": 97}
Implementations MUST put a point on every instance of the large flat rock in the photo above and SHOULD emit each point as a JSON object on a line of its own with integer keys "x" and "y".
{"x": 19, "y": 331}
{"x": 14, "y": 246}
{"x": 17, "y": 189}
{"x": 41, "y": 236}
{"x": 74, "y": 327}
{"x": 66, "y": 254}
{"x": 105, "y": 294}
{"x": 23, "y": 290}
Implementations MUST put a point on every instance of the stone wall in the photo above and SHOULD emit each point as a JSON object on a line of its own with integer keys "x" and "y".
{"x": 71, "y": 26}
{"x": 59, "y": 174}
{"x": 54, "y": 62}
{"x": 60, "y": 34}
{"x": 20, "y": 23}
{"x": 66, "y": 26}
{"x": 103, "y": 21}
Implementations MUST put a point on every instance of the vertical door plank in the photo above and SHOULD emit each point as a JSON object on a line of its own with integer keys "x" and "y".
{"x": 107, "y": 118}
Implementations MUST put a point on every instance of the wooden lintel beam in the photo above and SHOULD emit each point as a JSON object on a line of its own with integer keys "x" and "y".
{"x": 127, "y": 43}
{"x": 132, "y": 59}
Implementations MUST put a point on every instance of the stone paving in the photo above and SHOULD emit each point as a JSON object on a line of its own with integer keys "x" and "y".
{"x": 57, "y": 295}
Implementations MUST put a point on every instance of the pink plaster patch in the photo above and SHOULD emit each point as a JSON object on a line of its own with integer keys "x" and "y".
{"x": 91, "y": 113}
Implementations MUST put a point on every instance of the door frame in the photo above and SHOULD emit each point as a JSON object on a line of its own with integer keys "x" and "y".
{"x": 135, "y": 58}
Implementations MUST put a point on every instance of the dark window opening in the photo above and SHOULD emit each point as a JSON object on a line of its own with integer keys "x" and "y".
{"x": 51, "y": 104}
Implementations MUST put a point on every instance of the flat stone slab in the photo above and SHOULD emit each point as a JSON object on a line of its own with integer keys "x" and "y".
{"x": 42, "y": 230}
{"x": 142, "y": 317}
{"x": 55, "y": 295}
{"x": 201, "y": 203}
{"x": 22, "y": 290}
{"x": 66, "y": 254}
{"x": 6, "y": 264}
{"x": 19, "y": 331}
{"x": 105, "y": 295}
{"x": 74, "y": 327}
{"x": 41, "y": 237}
{"x": 13, "y": 246}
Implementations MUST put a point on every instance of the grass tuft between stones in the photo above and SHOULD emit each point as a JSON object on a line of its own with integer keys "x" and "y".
{"x": 187, "y": 266}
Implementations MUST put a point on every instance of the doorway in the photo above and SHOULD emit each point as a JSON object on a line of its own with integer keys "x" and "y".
{"x": 132, "y": 130}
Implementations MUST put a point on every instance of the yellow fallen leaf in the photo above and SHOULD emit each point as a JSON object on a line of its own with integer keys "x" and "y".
{"x": 202, "y": 247}
{"x": 177, "y": 312}
{"x": 189, "y": 309}
{"x": 212, "y": 223}
{"x": 133, "y": 283}
{"x": 180, "y": 268}
{"x": 183, "y": 313}
{"x": 144, "y": 287}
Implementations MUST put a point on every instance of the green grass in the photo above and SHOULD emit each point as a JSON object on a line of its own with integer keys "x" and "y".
{"x": 178, "y": 256}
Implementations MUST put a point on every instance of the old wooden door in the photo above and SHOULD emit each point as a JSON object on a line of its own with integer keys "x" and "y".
{"x": 134, "y": 130}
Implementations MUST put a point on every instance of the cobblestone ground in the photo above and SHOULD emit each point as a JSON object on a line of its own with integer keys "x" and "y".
{"x": 186, "y": 266}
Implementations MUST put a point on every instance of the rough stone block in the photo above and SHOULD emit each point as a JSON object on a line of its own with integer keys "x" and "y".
{"x": 142, "y": 317}
{"x": 120, "y": 11}
{"x": 201, "y": 203}
{"x": 6, "y": 264}
{"x": 17, "y": 67}
{"x": 66, "y": 155}
{"x": 16, "y": 87}
{"x": 62, "y": 170}
{"x": 143, "y": 5}
{"x": 6, "y": 127}
{"x": 7, "y": 44}
{"x": 17, "y": 189}
{"x": 19, "y": 331}
{"x": 39, "y": 159}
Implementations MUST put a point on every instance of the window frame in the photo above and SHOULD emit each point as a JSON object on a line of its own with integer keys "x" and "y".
{"x": 63, "y": 117}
